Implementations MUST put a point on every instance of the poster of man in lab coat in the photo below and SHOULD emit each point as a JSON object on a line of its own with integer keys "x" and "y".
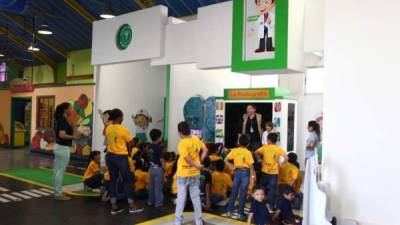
{"x": 260, "y": 29}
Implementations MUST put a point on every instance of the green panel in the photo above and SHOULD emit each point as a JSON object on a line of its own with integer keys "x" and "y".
{"x": 281, "y": 40}
{"x": 79, "y": 63}
{"x": 61, "y": 72}
{"x": 42, "y": 176}
{"x": 39, "y": 74}
{"x": 167, "y": 102}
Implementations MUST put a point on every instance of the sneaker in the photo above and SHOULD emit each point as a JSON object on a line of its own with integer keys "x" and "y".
{"x": 149, "y": 203}
{"x": 116, "y": 211}
{"x": 241, "y": 217}
{"x": 62, "y": 198}
{"x": 135, "y": 210}
{"x": 228, "y": 214}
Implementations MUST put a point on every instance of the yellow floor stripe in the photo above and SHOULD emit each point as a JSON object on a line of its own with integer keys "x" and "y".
{"x": 45, "y": 186}
{"x": 187, "y": 214}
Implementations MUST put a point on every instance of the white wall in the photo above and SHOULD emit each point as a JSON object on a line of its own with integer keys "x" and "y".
{"x": 188, "y": 81}
{"x": 361, "y": 109}
{"x": 130, "y": 87}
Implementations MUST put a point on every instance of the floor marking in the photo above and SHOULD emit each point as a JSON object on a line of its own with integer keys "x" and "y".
{"x": 3, "y": 189}
{"x": 41, "y": 192}
{"x": 31, "y": 194}
{"x": 3, "y": 200}
{"x": 21, "y": 195}
{"x": 12, "y": 197}
{"x": 47, "y": 190}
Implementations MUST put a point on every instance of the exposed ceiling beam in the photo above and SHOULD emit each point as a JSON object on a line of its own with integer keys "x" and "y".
{"x": 80, "y": 10}
{"x": 24, "y": 45}
{"x": 19, "y": 21}
{"x": 144, "y": 3}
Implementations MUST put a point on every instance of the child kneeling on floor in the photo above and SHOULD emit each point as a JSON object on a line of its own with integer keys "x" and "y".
{"x": 258, "y": 210}
{"x": 221, "y": 183}
{"x": 93, "y": 179}
{"x": 284, "y": 212}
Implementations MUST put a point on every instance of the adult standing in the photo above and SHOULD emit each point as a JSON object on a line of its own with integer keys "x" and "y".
{"x": 65, "y": 133}
{"x": 314, "y": 139}
{"x": 251, "y": 125}
{"x": 119, "y": 140}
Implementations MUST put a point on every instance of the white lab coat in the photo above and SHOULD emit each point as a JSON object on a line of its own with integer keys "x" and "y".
{"x": 271, "y": 26}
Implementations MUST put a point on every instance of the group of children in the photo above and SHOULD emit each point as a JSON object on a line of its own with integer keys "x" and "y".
{"x": 224, "y": 176}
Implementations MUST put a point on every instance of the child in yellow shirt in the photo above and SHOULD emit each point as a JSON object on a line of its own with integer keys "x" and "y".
{"x": 270, "y": 156}
{"x": 221, "y": 183}
{"x": 243, "y": 165}
{"x": 141, "y": 180}
{"x": 289, "y": 172}
{"x": 93, "y": 179}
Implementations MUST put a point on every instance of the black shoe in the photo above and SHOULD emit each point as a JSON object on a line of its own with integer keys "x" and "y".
{"x": 116, "y": 211}
{"x": 259, "y": 50}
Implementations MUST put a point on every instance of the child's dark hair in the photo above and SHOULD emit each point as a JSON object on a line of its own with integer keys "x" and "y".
{"x": 287, "y": 189}
{"x": 220, "y": 165}
{"x": 136, "y": 141}
{"x": 115, "y": 114}
{"x": 292, "y": 158}
{"x": 206, "y": 162}
{"x": 258, "y": 187}
{"x": 174, "y": 167}
{"x": 244, "y": 140}
{"x": 107, "y": 112}
{"x": 93, "y": 154}
{"x": 60, "y": 110}
{"x": 155, "y": 134}
{"x": 273, "y": 138}
{"x": 183, "y": 128}
{"x": 212, "y": 148}
{"x": 269, "y": 124}
{"x": 316, "y": 128}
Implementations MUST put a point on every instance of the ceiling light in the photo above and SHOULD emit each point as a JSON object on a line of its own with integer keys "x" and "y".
{"x": 107, "y": 12}
{"x": 2, "y": 55}
{"x": 44, "y": 29}
{"x": 33, "y": 48}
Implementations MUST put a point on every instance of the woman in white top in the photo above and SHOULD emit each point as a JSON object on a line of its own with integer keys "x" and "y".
{"x": 313, "y": 141}
{"x": 269, "y": 128}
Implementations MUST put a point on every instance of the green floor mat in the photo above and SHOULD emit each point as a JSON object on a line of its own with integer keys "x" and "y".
{"x": 42, "y": 176}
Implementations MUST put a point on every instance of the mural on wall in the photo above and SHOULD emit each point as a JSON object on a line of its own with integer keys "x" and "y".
{"x": 4, "y": 138}
{"x": 142, "y": 121}
{"x": 82, "y": 115}
{"x": 199, "y": 113}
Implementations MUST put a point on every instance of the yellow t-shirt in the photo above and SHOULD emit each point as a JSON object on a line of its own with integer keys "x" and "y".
{"x": 174, "y": 188}
{"x": 91, "y": 170}
{"x": 190, "y": 146}
{"x": 168, "y": 168}
{"x": 221, "y": 183}
{"x": 214, "y": 157}
{"x": 106, "y": 176}
{"x": 242, "y": 157}
{"x": 288, "y": 174}
{"x": 117, "y": 137}
{"x": 271, "y": 155}
{"x": 141, "y": 180}
{"x": 134, "y": 151}
{"x": 298, "y": 183}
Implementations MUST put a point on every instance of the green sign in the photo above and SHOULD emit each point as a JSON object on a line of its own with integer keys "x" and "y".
{"x": 124, "y": 36}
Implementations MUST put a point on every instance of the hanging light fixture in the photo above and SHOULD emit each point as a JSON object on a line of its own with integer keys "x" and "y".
{"x": 44, "y": 29}
{"x": 33, "y": 48}
{"x": 107, "y": 12}
{"x": 2, "y": 55}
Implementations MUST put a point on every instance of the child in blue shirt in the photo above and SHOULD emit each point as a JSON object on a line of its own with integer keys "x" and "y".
{"x": 259, "y": 211}
{"x": 284, "y": 212}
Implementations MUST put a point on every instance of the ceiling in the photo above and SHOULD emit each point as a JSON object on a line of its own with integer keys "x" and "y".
{"x": 71, "y": 23}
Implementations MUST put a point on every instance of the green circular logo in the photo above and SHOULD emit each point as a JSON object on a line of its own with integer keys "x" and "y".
{"x": 124, "y": 36}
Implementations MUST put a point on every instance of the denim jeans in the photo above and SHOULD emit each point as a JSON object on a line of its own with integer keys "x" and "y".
{"x": 156, "y": 196}
{"x": 95, "y": 181}
{"x": 241, "y": 180}
{"x": 269, "y": 182}
{"x": 119, "y": 165}
{"x": 216, "y": 198}
{"x": 193, "y": 183}
{"x": 61, "y": 159}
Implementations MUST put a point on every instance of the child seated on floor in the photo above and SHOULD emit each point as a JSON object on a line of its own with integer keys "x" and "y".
{"x": 141, "y": 180}
{"x": 258, "y": 209}
{"x": 289, "y": 171}
{"x": 205, "y": 184}
{"x": 284, "y": 212}
{"x": 221, "y": 183}
{"x": 93, "y": 179}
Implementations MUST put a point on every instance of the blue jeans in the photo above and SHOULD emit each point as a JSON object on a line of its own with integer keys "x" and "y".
{"x": 95, "y": 181}
{"x": 156, "y": 196}
{"x": 193, "y": 183}
{"x": 118, "y": 164}
{"x": 241, "y": 181}
{"x": 61, "y": 159}
{"x": 269, "y": 182}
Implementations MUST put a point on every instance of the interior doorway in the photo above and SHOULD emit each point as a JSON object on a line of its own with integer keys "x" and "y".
{"x": 21, "y": 120}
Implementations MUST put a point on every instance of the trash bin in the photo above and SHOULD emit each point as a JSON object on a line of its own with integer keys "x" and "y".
{"x": 19, "y": 134}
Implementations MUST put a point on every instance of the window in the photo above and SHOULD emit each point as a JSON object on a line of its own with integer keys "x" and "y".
{"x": 314, "y": 81}
{"x": 263, "y": 81}
{"x": 3, "y": 72}
{"x": 45, "y": 111}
